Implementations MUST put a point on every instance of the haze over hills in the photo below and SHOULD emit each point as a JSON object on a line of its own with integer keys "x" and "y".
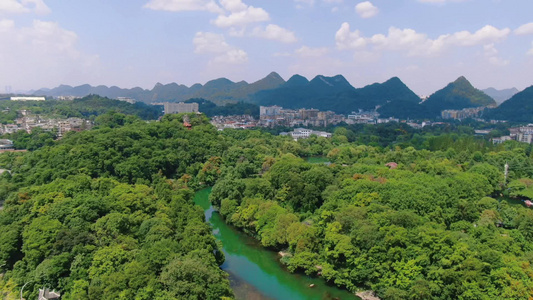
{"x": 219, "y": 91}
{"x": 517, "y": 109}
{"x": 500, "y": 95}
{"x": 392, "y": 97}
{"x": 322, "y": 92}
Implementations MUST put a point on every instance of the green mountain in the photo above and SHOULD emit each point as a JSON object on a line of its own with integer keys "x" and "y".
{"x": 335, "y": 93}
{"x": 296, "y": 80}
{"x": 517, "y": 109}
{"x": 456, "y": 95}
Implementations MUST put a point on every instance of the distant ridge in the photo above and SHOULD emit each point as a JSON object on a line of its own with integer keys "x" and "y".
{"x": 322, "y": 92}
{"x": 391, "y": 98}
{"x": 501, "y": 95}
{"x": 220, "y": 91}
{"x": 517, "y": 109}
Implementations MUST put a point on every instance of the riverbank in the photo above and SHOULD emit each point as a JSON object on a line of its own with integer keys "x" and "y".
{"x": 255, "y": 272}
{"x": 367, "y": 295}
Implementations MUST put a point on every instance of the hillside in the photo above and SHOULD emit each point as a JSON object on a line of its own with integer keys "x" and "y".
{"x": 500, "y": 95}
{"x": 219, "y": 91}
{"x": 335, "y": 93}
{"x": 456, "y": 95}
{"x": 86, "y": 107}
{"x": 210, "y": 109}
{"x": 508, "y": 110}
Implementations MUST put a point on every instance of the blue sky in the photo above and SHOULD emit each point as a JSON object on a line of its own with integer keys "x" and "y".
{"x": 427, "y": 43}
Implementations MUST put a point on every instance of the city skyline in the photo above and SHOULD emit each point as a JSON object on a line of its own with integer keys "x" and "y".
{"x": 426, "y": 43}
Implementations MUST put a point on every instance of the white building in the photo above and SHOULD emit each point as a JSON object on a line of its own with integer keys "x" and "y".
{"x": 501, "y": 139}
{"x": 181, "y": 107}
{"x": 66, "y": 98}
{"x": 28, "y": 98}
{"x": 303, "y": 133}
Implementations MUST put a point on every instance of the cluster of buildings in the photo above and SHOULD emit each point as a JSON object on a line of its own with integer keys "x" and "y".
{"x": 473, "y": 112}
{"x": 368, "y": 117}
{"x": 522, "y": 134}
{"x": 234, "y": 122}
{"x": 28, "y": 122}
{"x": 271, "y": 116}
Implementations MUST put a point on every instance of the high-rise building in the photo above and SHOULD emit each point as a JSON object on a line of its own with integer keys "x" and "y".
{"x": 269, "y": 111}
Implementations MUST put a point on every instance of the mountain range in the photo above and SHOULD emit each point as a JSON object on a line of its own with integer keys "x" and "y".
{"x": 392, "y": 98}
{"x": 219, "y": 91}
{"x": 457, "y": 95}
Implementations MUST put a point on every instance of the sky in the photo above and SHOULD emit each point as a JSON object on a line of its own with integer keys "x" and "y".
{"x": 128, "y": 43}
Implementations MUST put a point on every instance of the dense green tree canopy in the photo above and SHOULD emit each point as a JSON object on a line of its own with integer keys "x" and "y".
{"x": 108, "y": 213}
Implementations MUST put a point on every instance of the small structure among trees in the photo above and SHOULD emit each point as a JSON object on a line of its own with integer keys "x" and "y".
{"x": 45, "y": 294}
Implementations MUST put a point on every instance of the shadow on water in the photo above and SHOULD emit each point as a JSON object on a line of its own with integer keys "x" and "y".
{"x": 255, "y": 272}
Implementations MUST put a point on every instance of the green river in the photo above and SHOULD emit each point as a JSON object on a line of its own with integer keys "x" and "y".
{"x": 255, "y": 272}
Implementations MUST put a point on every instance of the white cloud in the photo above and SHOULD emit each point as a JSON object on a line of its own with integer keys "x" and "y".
{"x": 524, "y": 29}
{"x": 275, "y": 32}
{"x": 487, "y": 34}
{"x": 6, "y": 25}
{"x": 366, "y": 10}
{"x": 491, "y": 53}
{"x": 417, "y": 44}
{"x": 39, "y": 6}
{"x": 233, "y": 5}
{"x": 237, "y": 32}
{"x": 48, "y": 50}
{"x": 305, "y": 51}
{"x": 530, "y": 52}
{"x": 349, "y": 40}
{"x": 208, "y": 42}
{"x": 215, "y": 44}
{"x": 242, "y": 16}
{"x": 404, "y": 40}
{"x": 184, "y": 5}
{"x": 23, "y": 6}
{"x": 233, "y": 56}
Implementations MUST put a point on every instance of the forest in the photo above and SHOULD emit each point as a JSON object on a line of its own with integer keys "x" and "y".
{"x": 108, "y": 213}
{"x": 87, "y": 107}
